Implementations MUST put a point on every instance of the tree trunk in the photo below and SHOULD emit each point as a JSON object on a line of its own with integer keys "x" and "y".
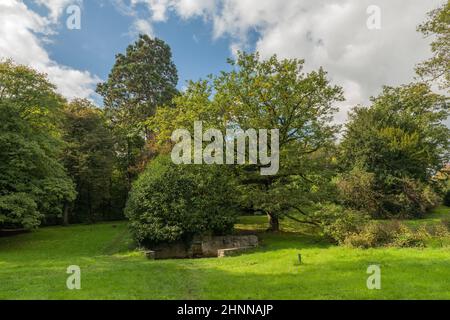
{"x": 66, "y": 214}
{"x": 274, "y": 223}
{"x": 90, "y": 213}
{"x": 128, "y": 173}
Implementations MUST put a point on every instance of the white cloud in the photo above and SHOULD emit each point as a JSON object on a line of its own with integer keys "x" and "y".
{"x": 57, "y": 7}
{"x": 22, "y": 33}
{"x": 328, "y": 33}
{"x": 186, "y": 9}
{"x": 141, "y": 26}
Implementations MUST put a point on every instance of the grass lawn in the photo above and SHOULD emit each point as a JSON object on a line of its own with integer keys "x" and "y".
{"x": 33, "y": 266}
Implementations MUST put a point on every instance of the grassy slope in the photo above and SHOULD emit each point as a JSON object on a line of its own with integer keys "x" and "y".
{"x": 33, "y": 266}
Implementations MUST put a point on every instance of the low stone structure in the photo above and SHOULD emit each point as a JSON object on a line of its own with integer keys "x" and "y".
{"x": 222, "y": 253}
{"x": 207, "y": 246}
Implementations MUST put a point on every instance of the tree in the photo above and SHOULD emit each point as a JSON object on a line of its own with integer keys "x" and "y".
{"x": 89, "y": 158}
{"x": 402, "y": 141}
{"x": 268, "y": 94}
{"x": 438, "y": 26}
{"x": 276, "y": 94}
{"x": 141, "y": 80}
{"x": 33, "y": 182}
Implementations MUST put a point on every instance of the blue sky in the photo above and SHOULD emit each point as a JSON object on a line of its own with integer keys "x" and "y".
{"x": 105, "y": 32}
{"x": 332, "y": 34}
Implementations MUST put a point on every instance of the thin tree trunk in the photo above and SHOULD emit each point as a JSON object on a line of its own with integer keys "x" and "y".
{"x": 274, "y": 223}
{"x": 66, "y": 214}
{"x": 128, "y": 174}
{"x": 91, "y": 218}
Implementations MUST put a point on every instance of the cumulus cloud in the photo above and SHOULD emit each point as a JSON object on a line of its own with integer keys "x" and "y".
{"x": 22, "y": 32}
{"x": 141, "y": 26}
{"x": 56, "y": 7}
{"x": 328, "y": 33}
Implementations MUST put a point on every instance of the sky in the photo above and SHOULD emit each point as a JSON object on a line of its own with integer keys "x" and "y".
{"x": 333, "y": 34}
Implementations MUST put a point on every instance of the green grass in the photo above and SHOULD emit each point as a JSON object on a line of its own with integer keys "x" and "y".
{"x": 33, "y": 266}
{"x": 436, "y": 216}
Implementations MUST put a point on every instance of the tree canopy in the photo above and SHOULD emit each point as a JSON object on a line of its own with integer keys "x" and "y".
{"x": 437, "y": 68}
{"x": 89, "y": 158}
{"x": 267, "y": 94}
{"x": 34, "y": 184}
{"x": 401, "y": 139}
{"x": 141, "y": 80}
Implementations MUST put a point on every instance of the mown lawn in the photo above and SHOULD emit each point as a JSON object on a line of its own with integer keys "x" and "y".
{"x": 33, "y": 266}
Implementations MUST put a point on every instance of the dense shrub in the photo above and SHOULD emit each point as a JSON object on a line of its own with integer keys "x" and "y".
{"x": 393, "y": 233}
{"x": 18, "y": 209}
{"x": 338, "y": 222}
{"x": 392, "y": 198}
{"x": 410, "y": 198}
{"x": 171, "y": 202}
{"x": 440, "y": 230}
{"x": 407, "y": 238}
{"x": 357, "y": 190}
{"x": 373, "y": 234}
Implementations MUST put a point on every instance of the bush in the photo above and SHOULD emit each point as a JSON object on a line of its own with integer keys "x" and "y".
{"x": 357, "y": 190}
{"x": 406, "y": 238}
{"x": 409, "y": 199}
{"x": 376, "y": 234}
{"x": 19, "y": 210}
{"x": 338, "y": 223}
{"x": 171, "y": 202}
{"x": 373, "y": 234}
{"x": 441, "y": 230}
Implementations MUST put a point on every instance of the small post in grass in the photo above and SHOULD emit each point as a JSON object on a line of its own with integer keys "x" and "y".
{"x": 299, "y": 258}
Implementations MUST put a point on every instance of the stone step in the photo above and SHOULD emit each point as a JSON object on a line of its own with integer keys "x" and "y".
{"x": 221, "y": 253}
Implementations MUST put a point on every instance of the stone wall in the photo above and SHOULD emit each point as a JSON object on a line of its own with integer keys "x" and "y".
{"x": 210, "y": 245}
{"x": 202, "y": 247}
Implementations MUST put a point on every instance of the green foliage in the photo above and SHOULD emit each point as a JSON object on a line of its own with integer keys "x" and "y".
{"x": 277, "y": 94}
{"x": 194, "y": 104}
{"x": 19, "y": 209}
{"x": 141, "y": 80}
{"x": 393, "y": 233}
{"x": 412, "y": 199}
{"x": 33, "y": 181}
{"x": 357, "y": 190}
{"x": 176, "y": 202}
{"x": 90, "y": 159}
{"x": 407, "y": 238}
{"x": 268, "y": 94}
{"x": 438, "y": 66}
{"x": 373, "y": 235}
{"x": 400, "y": 142}
{"x": 338, "y": 223}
